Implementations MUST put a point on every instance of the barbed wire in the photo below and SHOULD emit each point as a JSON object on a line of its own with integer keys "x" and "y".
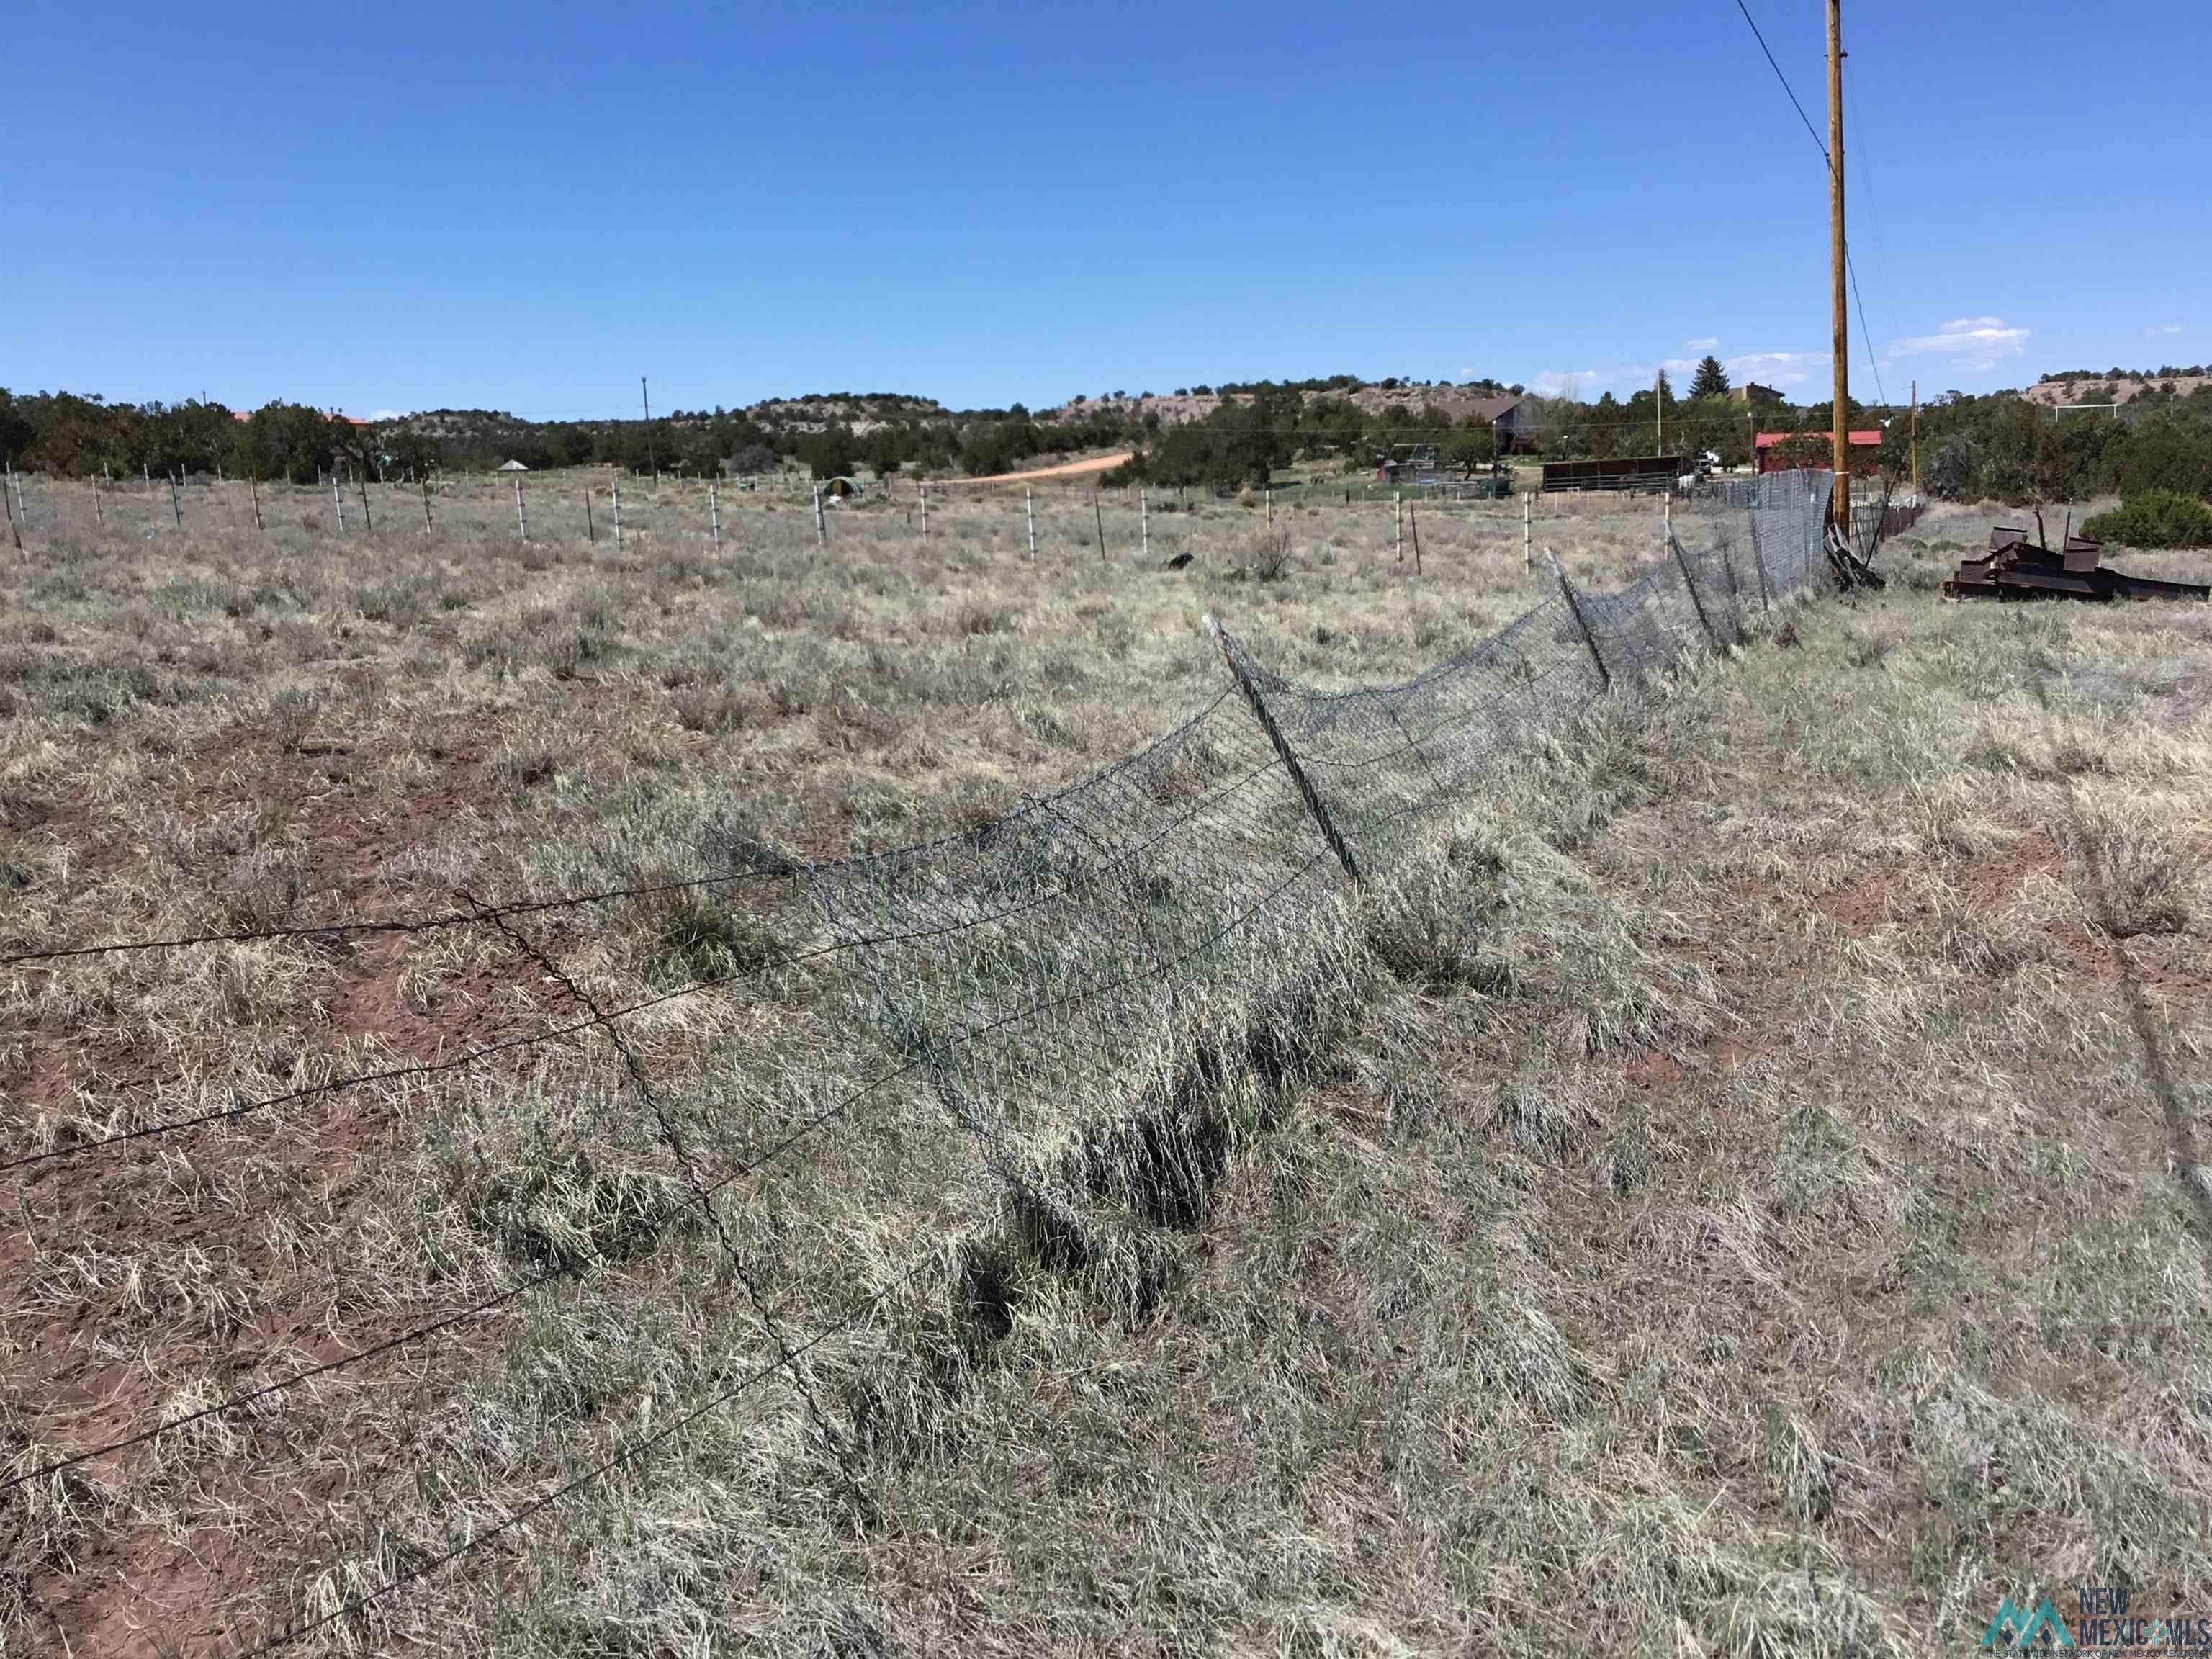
{"x": 1059, "y": 920}
{"x": 626, "y": 1455}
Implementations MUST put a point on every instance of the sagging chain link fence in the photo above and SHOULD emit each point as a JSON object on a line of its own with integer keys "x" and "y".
{"x": 1079, "y": 989}
{"x": 1040, "y": 973}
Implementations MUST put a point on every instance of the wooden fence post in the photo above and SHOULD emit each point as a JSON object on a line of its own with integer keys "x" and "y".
{"x": 337, "y": 500}
{"x": 1098, "y": 518}
{"x": 365, "y": 521}
{"x": 1398, "y": 521}
{"x": 1528, "y": 503}
{"x": 176, "y": 500}
{"x": 253, "y": 489}
{"x": 1413, "y": 518}
{"x": 714, "y": 508}
{"x": 429, "y": 525}
{"x": 1028, "y": 510}
{"x": 925, "y": 512}
{"x": 821, "y": 526}
{"x": 521, "y": 519}
{"x": 615, "y": 485}
{"x": 1145, "y": 523}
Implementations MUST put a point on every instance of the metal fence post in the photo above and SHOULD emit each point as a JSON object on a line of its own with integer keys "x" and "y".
{"x": 1604, "y": 674}
{"x": 1691, "y": 582}
{"x": 1306, "y": 791}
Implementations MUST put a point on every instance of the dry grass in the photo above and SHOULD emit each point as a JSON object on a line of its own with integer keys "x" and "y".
{"x": 1735, "y": 1191}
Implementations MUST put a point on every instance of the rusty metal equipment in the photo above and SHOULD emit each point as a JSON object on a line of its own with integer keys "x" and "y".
{"x": 2016, "y": 568}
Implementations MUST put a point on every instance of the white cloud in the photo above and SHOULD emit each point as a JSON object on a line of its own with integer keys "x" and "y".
{"x": 2154, "y": 333}
{"x": 1700, "y": 345}
{"x": 1778, "y": 370}
{"x": 1972, "y": 343}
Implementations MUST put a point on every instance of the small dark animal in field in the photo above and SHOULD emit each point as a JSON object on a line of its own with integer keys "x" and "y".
{"x": 1179, "y": 562}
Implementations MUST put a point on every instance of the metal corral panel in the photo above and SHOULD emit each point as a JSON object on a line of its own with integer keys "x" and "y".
{"x": 1623, "y": 473}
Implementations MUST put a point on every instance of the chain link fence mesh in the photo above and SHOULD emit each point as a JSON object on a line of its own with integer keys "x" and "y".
{"x": 1061, "y": 967}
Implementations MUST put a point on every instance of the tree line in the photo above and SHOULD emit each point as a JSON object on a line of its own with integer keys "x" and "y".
{"x": 2000, "y": 445}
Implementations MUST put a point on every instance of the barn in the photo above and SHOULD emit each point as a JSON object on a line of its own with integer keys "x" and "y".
{"x": 1514, "y": 421}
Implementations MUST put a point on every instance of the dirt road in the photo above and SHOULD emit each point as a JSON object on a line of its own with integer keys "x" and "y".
{"x": 1065, "y": 469}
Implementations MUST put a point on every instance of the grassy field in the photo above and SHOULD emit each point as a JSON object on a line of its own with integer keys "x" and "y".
{"x": 1734, "y": 1189}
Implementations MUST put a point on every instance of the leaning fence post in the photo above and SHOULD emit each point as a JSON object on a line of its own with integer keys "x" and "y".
{"x": 1306, "y": 791}
{"x": 1758, "y": 560}
{"x": 337, "y": 500}
{"x": 1413, "y": 518}
{"x": 15, "y": 530}
{"x": 366, "y": 523}
{"x": 1604, "y": 674}
{"x": 1098, "y": 518}
{"x": 1689, "y": 582}
{"x": 176, "y": 501}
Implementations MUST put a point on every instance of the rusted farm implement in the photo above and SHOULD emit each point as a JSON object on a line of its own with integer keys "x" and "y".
{"x": 2015, "y": 567}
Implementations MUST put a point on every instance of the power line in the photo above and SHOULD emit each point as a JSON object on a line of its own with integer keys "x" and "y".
{"x": 1829, "y": 162}
{"x": 1811, "y": 130}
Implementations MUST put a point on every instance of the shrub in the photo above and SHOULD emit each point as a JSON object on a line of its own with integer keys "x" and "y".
{"x": 2157, "y": 517}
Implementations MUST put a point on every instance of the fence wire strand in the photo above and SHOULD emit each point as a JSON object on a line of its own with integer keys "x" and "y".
{"x": 1018, "y": 978}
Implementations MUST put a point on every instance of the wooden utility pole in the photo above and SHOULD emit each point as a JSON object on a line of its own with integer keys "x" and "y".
{"x": 1841, "y": 500}
{"x": 1915, "y": 439}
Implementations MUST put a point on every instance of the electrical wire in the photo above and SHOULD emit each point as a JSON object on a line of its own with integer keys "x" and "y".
{"x": 1828, "y": 161}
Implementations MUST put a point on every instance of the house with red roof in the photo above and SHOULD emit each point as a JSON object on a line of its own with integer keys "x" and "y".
{"x": 1866, "y": 450}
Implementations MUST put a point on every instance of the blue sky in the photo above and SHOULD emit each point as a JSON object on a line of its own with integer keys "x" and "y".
{"x": 526, "y": 207}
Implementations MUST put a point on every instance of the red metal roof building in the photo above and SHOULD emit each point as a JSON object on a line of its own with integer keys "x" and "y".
{"x": 1768, "y": 447}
